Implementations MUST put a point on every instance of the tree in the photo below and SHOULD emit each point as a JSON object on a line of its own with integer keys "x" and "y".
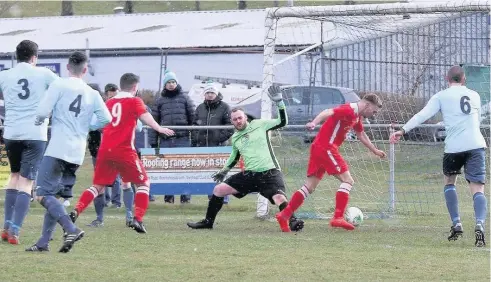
{"x": 128, "y": 7}
{"x": 66, "y": 8}
{"x": 197, "y": 5}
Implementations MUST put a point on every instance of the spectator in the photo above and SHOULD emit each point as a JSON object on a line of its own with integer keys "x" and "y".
{"x": 173, "y": 108}
{"x": 213, "y": 111}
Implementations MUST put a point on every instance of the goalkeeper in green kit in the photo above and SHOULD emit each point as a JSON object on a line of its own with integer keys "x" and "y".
{"x": 262, "y": 173}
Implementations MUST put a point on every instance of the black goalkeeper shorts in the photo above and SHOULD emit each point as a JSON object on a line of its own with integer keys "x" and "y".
{"x": 267, "y": 183}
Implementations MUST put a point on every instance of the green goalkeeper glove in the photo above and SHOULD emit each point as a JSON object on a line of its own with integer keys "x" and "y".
{"x": 220, "y": 175}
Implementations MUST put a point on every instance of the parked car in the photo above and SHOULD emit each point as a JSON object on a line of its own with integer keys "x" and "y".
{"x": 304, "y": 103}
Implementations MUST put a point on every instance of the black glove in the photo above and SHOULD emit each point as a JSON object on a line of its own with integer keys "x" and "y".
{"x": 220, "y": 175}
{"x": 296, "y": 224}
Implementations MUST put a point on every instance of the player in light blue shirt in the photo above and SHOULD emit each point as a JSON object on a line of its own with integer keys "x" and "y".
{"x": 75, "y": 109}
{"x": 22, "y": 87}
{"x": 464, "y": 147}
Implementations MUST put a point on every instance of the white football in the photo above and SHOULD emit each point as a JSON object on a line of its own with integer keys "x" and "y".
{"x": 354, "y": 216}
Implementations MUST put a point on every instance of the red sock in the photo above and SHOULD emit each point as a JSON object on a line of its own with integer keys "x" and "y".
{"x": 85, "y": 199}
{"x": 342, "y": 199}
{"x": 296, "y": 201}
{"x": 141, "y": 203}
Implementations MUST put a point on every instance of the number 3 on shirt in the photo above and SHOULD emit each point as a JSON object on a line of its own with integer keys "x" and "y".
{"x": 116, "y": 112}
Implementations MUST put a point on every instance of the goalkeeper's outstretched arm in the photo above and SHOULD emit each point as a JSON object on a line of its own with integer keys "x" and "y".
{"x": 280, "y": 121}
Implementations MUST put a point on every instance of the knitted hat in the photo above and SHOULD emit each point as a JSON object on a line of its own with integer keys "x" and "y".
{"x": 210, "y": 88}
{"x": 168, "y": 75}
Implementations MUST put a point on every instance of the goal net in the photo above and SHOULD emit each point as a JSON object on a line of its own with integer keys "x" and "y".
{"x": 329, "y": 55}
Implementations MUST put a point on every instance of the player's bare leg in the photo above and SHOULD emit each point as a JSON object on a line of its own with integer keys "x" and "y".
{"x": 296, "y": 202}
{"x": 456, "y": 230}
{"x": 214, "y": 206}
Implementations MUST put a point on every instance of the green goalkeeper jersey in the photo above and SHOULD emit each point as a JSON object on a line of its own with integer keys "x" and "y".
{"x": 253, "y": 144}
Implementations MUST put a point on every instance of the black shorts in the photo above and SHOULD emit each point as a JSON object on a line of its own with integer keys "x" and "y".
{"x": 24, "y": 156}
{"x": 267, "y": 183}
{"x": 473, "y": 161}
{"x": 56, "y": 178}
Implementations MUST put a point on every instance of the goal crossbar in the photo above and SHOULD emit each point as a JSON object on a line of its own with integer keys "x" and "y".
{"x": 382, "y": 9}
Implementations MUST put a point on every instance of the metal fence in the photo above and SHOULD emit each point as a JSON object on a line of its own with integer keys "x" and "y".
{"x": 411, "y": 62}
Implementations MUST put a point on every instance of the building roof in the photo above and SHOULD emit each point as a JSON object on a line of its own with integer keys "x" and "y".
{"x": 212, "y": 29}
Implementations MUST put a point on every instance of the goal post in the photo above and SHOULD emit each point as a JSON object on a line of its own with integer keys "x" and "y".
{"x": 400, "y": 51}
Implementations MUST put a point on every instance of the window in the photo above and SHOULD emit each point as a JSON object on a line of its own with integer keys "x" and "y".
{"x": 295, "y": 96}
{"x": 326, "y": 96}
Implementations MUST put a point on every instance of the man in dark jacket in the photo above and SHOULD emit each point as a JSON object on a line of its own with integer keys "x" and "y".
{"x": 173, "y": 108}
{"x": 213, "y": 111}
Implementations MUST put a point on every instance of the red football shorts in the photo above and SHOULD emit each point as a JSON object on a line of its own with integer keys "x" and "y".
{"x": 325, "y": 160}
{"x": 127, "y": 164}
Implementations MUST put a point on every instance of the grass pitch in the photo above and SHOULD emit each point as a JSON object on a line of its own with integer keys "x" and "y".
{"x": 405, "y": 247}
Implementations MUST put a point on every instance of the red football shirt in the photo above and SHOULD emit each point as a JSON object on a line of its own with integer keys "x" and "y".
{"x": 333, "y": 131}
{"x": 120, "y": 132}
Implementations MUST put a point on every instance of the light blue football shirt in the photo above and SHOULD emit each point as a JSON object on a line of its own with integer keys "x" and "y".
{"x": 461, "y": 110}
{"x": 23, "y": 87}
{"x": 73, "y": 104}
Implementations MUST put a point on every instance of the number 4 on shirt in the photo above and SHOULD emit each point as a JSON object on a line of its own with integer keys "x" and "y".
{"x": 75, "y": 105}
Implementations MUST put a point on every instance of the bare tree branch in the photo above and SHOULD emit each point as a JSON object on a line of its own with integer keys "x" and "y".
{"x": 425, "y": 63}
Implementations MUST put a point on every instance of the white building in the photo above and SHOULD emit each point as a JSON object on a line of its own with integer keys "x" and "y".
{"x": 219, "y": 44}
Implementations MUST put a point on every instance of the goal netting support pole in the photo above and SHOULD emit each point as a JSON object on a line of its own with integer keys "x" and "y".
{"x": 399, "y": 51}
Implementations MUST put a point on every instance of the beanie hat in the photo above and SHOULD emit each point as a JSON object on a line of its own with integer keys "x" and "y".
{"x": 210, "y": 88}
{"x": 168, "y": 75}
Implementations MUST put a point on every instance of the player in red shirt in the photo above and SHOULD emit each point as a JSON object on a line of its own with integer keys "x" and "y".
{"x": 325, "y": 157}
{"x": 117, "y": 154}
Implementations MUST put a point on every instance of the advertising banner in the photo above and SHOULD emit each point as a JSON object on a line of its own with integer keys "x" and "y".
{"x": 176, "y": 171}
